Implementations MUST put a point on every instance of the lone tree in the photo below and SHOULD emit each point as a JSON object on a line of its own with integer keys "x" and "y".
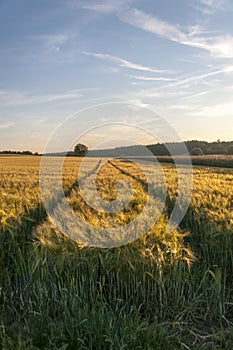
{"x": 196, "y": 152}
{"x": 80, "y": 150}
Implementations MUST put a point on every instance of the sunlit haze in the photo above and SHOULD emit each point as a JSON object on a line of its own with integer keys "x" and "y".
{"x": 60, "y": 57}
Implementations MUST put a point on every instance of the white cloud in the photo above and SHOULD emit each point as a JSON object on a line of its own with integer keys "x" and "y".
{"x": 228, "y": 69}
{"x": 222, "y": 46}
{"x": 123, "y": 63}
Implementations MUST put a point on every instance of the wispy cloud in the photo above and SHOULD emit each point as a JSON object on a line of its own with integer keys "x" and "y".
{"x": 200, "y": 77}
{"x": 194, "y": 36}
{"x": 223, "y": 109}
{"x": 195, "y": 95}
{"x": 221, "y": 46}
{"x": 101, "y": 6}
{"x": 182, "y": 88}
{"x": 17, "y": 98}
{"x": 213, "y": 3}
{"x": 144, "y": 78}
{"x": 209, "y": 7}
{"x": 51, "y": 41}
{"x": 151, "y": 24}
{"x": 154, "y": 93}
{"x": 183, "y": 107}
{"x": 185, "y": 82}
{"x": 6, "y": 125}
{"x": 123, "y": 63}
{"x": 56, "y": 39}
{"x": 109, "y": 6}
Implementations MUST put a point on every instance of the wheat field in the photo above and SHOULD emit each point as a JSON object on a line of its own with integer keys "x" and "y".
{"x": 166, "y": 289}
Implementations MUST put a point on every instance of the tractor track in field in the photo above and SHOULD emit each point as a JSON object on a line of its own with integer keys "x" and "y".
{"x": 169, "y": 202}
{"x": 190, "y": 219}
{"x": 38, "y": 215}
{"x": 125, "y": 172}
{"x": 75, "y": 184}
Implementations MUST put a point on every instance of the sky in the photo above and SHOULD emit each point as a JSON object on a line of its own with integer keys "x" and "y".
{"x": 59, "y": 57}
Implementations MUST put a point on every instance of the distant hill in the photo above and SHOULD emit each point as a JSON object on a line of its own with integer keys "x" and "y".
{"x": 166, "y": 149}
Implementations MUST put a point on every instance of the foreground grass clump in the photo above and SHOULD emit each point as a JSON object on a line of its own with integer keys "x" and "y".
{"x": 86, "y": 298}
{"x": 165, "y": 290}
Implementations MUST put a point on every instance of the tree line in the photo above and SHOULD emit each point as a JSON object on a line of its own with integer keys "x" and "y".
{"x": 25, "y": 153}
{"x": 194, "y": 147}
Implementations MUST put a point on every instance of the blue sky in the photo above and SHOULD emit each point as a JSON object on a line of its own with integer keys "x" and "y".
{"x": 59, "y": 57}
